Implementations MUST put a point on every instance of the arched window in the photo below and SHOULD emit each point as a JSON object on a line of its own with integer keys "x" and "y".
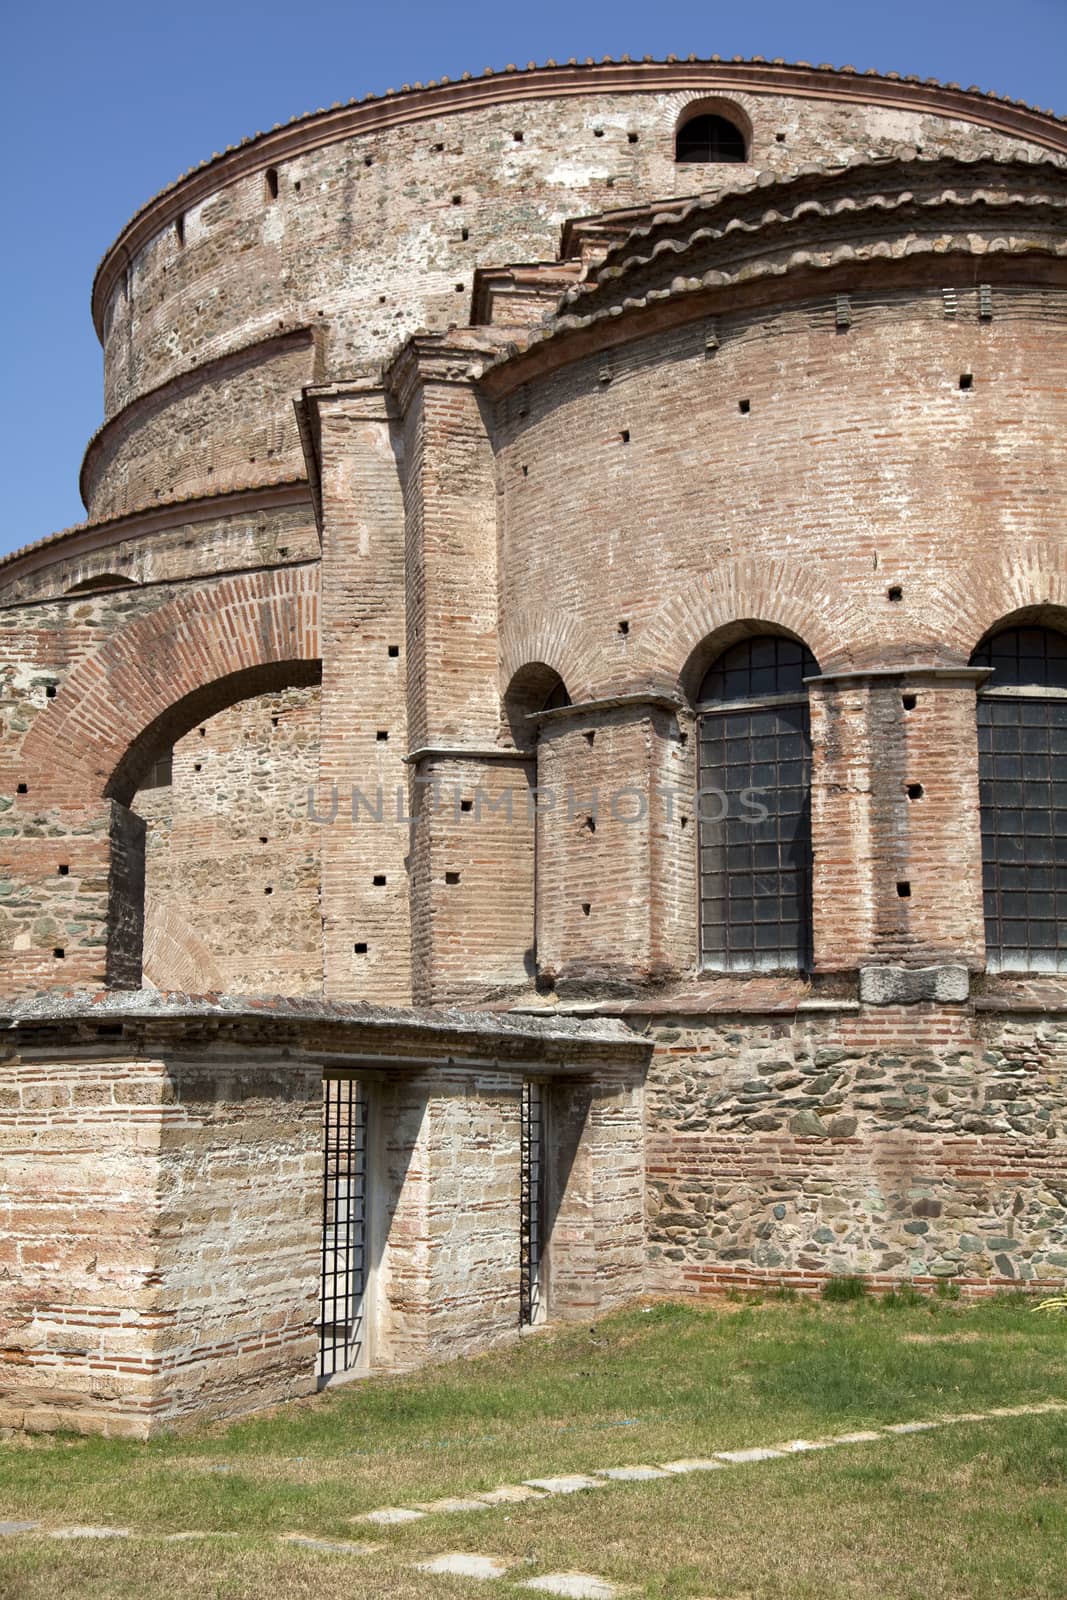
{"x": 1022, "y": 772}
{"x": 755, "y": 807}
{"x": 710, "y": 138}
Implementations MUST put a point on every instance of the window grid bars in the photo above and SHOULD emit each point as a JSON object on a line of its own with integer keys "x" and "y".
{"x": 531, "y": 1202}
{"x": 1022, "y": 771}
{"x": 344, "y": 1226}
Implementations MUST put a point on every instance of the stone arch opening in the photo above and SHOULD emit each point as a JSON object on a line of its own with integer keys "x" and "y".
{"x": 533, "y": 688}
{"x": 223, "y": 853}
{"x": 712, "y": 133}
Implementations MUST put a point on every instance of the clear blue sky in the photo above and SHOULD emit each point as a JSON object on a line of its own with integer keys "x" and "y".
{"x": 105, "y": 103}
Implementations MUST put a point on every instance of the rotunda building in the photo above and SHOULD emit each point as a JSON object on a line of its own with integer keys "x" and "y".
{"x": 568, "y": 651}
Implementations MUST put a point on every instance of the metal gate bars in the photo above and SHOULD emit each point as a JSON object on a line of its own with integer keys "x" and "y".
{"x": 344, "y": 1226}
{"x": 531, "y": 1212}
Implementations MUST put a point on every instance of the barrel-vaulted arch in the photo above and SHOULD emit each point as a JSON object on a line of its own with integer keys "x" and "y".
{"x": 71, "y": 780}
{"x": 213, "y": 644}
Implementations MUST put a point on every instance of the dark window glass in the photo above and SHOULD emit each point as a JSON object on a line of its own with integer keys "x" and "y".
{"x": 755, "y": 809}
{"x": 1022, "y": 774}
{"x": 710, "y": 139}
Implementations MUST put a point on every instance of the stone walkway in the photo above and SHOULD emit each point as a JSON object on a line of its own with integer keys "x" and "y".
{"x": 569, "y": 1585}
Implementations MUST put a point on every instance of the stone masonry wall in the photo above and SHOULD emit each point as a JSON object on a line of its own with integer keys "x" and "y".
{"x": 160, "y": 1237}
{"x": 924, "y": 1143}
{"x": 233, "y": 856}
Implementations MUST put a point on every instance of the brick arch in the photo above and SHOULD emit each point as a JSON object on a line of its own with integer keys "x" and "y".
{"x": 1028, "y": 577}
{"x": 774, "y": 593}
{"x": 552, "y": 639}
{"x": 175, "y": 956}
{"x": 211, "y": 645}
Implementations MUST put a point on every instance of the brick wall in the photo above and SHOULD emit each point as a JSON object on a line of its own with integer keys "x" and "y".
{"x": 233, "y": 857}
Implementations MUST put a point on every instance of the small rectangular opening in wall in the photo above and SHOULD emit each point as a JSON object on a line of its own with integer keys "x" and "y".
{"x": 50, "y": 691}
{"x": 464, "y": 234}
{"x": 624, "y": 436}
{"x": 624, "y": 626}
{"x": 393, "y": 651}
{"x": 382, "y": 735}
{"x": 63, "y": 869}
{"x": 272, "y": 183}
{"x": 517, "y": 135}
{"x": 452, "y": 877}
{"x": 179, "y": 229}
{"x": 466, "y": 805}
{"x": 632, "y": 138}
{"x": 904, "y": 890}
{"x": 745, "y": 407}
{"x": 360, "y": 947}
{"x": 966, "y": 380}
{"x": 894, "y": 593}
{"x": 909, "y": 701}
{"x": 379, "y": 880}
{"x": 59, "y": 953}
{"x": 21, "y": 789}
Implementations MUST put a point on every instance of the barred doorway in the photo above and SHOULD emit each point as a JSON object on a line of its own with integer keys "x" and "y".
{"x": 532, "y": 1211}
{"x": 343, "y": 1285}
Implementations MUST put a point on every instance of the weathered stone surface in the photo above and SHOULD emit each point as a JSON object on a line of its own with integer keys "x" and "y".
{"x": 907, "y": 986}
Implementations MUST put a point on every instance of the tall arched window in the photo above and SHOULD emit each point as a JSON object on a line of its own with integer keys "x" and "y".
{"x": 755, "y": 807}
{"x": 1022, "y": 771}
{"x": 709, "y": 138}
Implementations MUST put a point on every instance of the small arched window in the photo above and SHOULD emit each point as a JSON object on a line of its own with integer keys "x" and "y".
{"x": 710, "y": 138}
{"x": 755, "y": 807}
{"x": 1022, "y": 774}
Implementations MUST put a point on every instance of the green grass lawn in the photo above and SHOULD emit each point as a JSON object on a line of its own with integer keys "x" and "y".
{"x": 979, "y": 1509}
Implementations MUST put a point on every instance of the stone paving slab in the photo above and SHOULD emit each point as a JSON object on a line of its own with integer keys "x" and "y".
{"x": 196, "y": 1533}
{"x": 796, "y": 1447}
{"x": 865, "y": 1436}
{"x": 451, "y": 1503}
{"x": 738, "y": 1458}
{"x": 464, "y": 1565}
{"x": 511, "y": 1494}
{"x": 639, "y": 1474}
{"x": 389, "y": 1516}
{"x": 89, "y": 1533}
{"x": 9, "y": 1528}
{"x": 911, "y": 1427}
{"x": 341, "y": 1547}
{"x": 693, "y": 1464}
{"x": 571, "y": 1483}
{"x": 573, "y": 1586}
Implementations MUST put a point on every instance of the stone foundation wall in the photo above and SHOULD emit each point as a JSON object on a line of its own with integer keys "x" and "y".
{"x": 161, "y": 1237}
{"x": 161, "y": 1196}
{"x": 923, "y": 1143}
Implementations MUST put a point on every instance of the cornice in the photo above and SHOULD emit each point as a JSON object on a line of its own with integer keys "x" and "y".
{"x": 418, "y": 102}
{"x": 87, "y": 537}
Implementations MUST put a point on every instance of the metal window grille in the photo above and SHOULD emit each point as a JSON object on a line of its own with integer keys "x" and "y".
{"x": 755, "y": 808}
{"x": 531, "y": 1215}
{"x": 344, "y": 1226}
{"x": 1022, "y": 772}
